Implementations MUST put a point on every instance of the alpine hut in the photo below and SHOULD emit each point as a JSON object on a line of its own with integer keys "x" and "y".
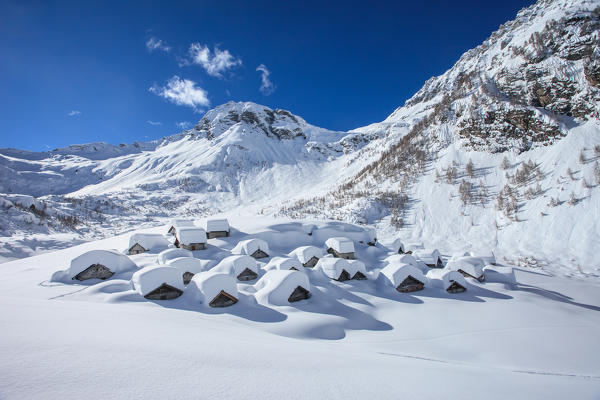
{"x": 398, "y": 247}
{"x": 337, "y": 269}
{"x": 280, "y": 287}
{"x": 357, "y": 270}
{"x": 468, "y": 266}
{"x": 284, "y": 263}
{"x": 450, "y": 281}
{"x": 256, "y": 248}
{"x": 340, "y": 247}
{"x": 307, "y": 255}
{"x": 99, "y": 264}
{"x": 179, "y": 223}
{"x": 214, "y": 289}
{"x": 144, "y": 242}
{"x": 216, "y": 228}
{"x": 188, "y": 266}
{"x": 242, "y": 267}
{"x": 431, "y": 259}
{"x": 190, "y": 238}
{"x": 164, "y": 256}
{"x": 404, "y": 277}
{"x": 158, "y": 282}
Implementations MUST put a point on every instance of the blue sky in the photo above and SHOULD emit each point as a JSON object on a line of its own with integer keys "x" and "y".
{"x": 118, "y": 71}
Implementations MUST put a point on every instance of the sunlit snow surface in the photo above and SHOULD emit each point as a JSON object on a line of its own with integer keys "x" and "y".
{"x": 537, "y": 338}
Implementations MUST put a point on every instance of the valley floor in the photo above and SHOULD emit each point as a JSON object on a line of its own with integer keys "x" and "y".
{"x": 534, "y": 339}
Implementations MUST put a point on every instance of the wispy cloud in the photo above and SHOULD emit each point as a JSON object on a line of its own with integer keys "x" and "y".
{"x": 266, "y": 87}
{"x": 215, "y": 62}
{"x": 183, "y": 124}
{"x": 154, "y": 123}
{"x": 154, "y": 44}
{"x": 74, "y": 113}
{"x": 183, "y": 92}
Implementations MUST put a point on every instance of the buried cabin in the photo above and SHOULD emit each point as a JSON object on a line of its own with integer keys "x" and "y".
{"x": 158, "y": 282}
{"x": 190, "y": 238}
{"x": 340, "y": 247}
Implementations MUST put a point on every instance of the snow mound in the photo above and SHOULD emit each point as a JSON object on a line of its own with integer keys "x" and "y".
{"x": 335, "y": 268}
{"x": 444, "y": 279}
{"x": 472, "y": 266}
{"x": 189, "y": 264}
{"x": 305, "y": 253}
{"x": 340, "y": 244}
{"x": 206, "y": 286}
{"x": 148, "y": 241}
{"x": 148, "y": 279}
{"x": 188, "y": 235}
{"x": 250, "y": 247}
{"x": 284, "y": 264}
{"x": 235, "y": 265}
{"x": 169, "y": 254}
{"x": 497, "y": 274}
{"x": 278, "y": 287}
{"x": 407, "y": 259}
{"x": 395, "y": 274}
{"x": 398, "y": 246}
{"x": 217, "y": 225}
{"x": 115, "y": 261}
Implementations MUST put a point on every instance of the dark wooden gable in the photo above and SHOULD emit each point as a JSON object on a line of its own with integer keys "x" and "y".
{"x": 344, "y": 276}
{"x": 187, "y": 277}
{"x": 312, "y": 262}
{"x": 247, "y": 275}
{"x": 467, "y": 275}
{"x": 137, "y": 249}
{"x": 164, "y": 292}
{"x": 259, "y": 254}
{"x": 299, "y": 294}
{"x": 410, "y": 284}
{"x": 359, "y": 276}
{"x": 97, "y": 271}
{"x": 223, "y": 299}
{"x": 456, "y": 287}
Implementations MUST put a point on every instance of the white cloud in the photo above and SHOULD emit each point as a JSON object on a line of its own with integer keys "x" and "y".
{"x": 183, "y": 92}
{"x": 214, "y": 62}
{"x": 74, "y": 113}
{"x": 154, "y": 123}
{"x": 266, "y": 87}
{"x": 153, "y": 44}
{"x": 183, "y": 124}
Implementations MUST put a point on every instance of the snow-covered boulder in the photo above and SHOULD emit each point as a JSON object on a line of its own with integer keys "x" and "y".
{"x": 284, "y": 263}
{"x": 340, "y": 247}
{"x": 190, "y": 238}
{"x": 450, "y": 281}
{"x": 499, "y": 274}
{"x": 188, "y": 266}
{"x": 242, "y": 267}
{"x": 279, "y": 287}
{"x": 404, "y": 277}
{"x": 433, "y": 259}
{"x": 217, "y": 228}
{"x": 335, "y": 268}
{"x": 158, "y": 282}
{"x": 307, "y": 255}
{"x": 256, "y": 248}
{"x": 164, "y": 256}
{"x": 214, "y": 289}
{"x": 357, "y": 270}
{"x": 144, "y": 242}
{"x": 468, "y": 266}
{"x": 99, "y": 264}
{"x": 179, "y": 223}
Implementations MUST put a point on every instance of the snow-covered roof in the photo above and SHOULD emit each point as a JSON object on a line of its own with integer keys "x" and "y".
{"x": 276, "y": 286}
{"x": 205, "y": 286}
{"x": 356, "y": 266}
{"x": 395, "y": 274}
{"x": 471, "y": 265}
{"x": 235, "y": 265}
{"x": 149, "y": 241}
{"x": 284, "y": 263}
{"x": 340, "y": 244}
{"x": 149, "y": 278}
{"x": 250, "y": 246}
{"x": 305, "y": 253}
{"x": 403, "y": 259}
{"x": 333, "y": 267}
{"x": 178, "y": 222}
{"x": 428, "y": 257}
{"x": 111, "y": 259}
{"x": 217, "y": 225}
{"x": 188, "y": 235}
{"x": 443, "y": 278}
{"x": 397, "y": 245}
{"x": 495, "y": 273}
{"x": 164, "y": 256}
{"x": 188, "y": 264}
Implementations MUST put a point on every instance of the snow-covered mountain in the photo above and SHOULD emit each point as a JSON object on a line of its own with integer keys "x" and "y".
{"x": 500, "y": 152}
